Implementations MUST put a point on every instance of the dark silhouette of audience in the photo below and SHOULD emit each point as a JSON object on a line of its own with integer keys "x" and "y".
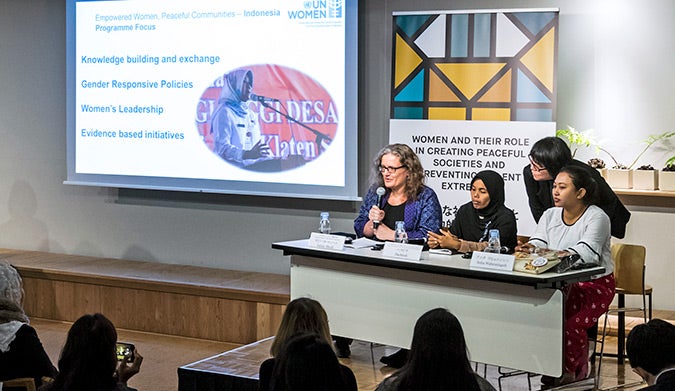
{"x": 308, "y": 363}
{"x": 438, "y": 358}
{"x": 88, "y": 361}
{"x": 302, "y": 316}
{"x": 21, "y": 352}
{"x": 651, "y": 351}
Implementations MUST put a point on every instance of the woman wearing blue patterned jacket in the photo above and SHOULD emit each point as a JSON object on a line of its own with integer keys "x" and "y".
{"x": 398, "y": 170}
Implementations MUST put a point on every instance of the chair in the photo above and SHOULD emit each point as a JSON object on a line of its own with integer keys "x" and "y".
{"x": 19, "y": 384}
{"x": 629, "y": 273}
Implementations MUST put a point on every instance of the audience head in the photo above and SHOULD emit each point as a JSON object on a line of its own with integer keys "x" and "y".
{"x": 438, "y": 356}
{"x": 577, "y": 184}
{"x": 487, "y": 191}
{"x": 88, "y": 359}
{"x": 410, "y": 164}
{"x": 651, "y": 348}
{"x": 548, "y": 156}
{"x": 302, "y": 315}
{"x": 307, "y": 363}
{"x": 11, "y": 295}
{"x": 11, "y": 285}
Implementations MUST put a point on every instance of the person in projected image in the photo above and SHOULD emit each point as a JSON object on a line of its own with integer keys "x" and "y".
{"x": 235, "y": 128}
{"x": 485, "y": 211}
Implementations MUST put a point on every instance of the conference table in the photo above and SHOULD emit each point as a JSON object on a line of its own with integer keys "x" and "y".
{"x": 510, "y": 319}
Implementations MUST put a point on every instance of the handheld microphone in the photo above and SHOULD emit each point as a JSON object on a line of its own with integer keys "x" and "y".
{"x": 260, "y": 98}
{"x": 380, "y": 192}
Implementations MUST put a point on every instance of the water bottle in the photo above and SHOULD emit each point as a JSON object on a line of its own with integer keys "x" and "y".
{"x": 494, "y": 245}
{"x": 324, "y": 223}
{"x": 400, "y": 235}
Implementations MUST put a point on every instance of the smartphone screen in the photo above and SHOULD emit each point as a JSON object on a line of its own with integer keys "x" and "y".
{"x": 125, "y": 350}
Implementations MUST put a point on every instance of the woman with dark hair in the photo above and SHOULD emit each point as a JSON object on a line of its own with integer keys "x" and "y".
{"x": 577, "y": 226}
{"x": 547, "y": 157}
{"x": 21, "y": 352}
{"x": 651, "y": 351}
{"x": 308, "y": 363}
{"x": 485, "y": 211}
{"x": 438, "y": 358}
{"x": 88, "y": 361}
{"x": 302, "y": 316}
{"x": 398, "y": 170}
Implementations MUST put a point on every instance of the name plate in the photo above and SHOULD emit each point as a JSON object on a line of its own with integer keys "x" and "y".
{"x": 494, "y": 261}
{"x": 326, "y": 241}
{"x": 411, "y": 252}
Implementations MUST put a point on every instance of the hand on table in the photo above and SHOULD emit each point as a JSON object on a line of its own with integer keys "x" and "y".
{"x": 443, "y": 240}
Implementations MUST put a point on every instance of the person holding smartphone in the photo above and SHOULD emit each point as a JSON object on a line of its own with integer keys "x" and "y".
{"x": 89, "y": 359}
{"x": 473, "y": 221}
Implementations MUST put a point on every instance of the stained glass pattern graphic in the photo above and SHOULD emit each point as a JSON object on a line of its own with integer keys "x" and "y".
{"x": 497, "y": 66}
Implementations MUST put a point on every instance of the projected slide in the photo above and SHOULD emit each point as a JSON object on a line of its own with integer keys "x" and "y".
{"x": 238, "y": 90}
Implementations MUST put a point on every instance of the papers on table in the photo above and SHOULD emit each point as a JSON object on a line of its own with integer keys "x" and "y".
{"x": 362, "y": 243}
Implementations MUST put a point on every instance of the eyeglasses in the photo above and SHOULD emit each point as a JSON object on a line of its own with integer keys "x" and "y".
{"x": 534, "y": 166}
{"x": 389, "y": 170}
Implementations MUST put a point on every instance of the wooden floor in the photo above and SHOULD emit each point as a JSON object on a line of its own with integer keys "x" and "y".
{"x": 164, "y": 354}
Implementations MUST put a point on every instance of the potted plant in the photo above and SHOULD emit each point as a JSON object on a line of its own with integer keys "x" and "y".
{"x": 667, "y": 176}
{"x": 576, "y": 139}
{"x": 599, "y": 165}
{"x": 622, "y": 176}
{"x": 645, "y": 177}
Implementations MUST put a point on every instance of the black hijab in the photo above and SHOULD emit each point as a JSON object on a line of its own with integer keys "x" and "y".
{"x": 494, "y": 183}
{"x": 472, "y": 224}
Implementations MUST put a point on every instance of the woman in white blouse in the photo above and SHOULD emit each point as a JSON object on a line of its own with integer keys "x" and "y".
{"x": 577, "y": 226}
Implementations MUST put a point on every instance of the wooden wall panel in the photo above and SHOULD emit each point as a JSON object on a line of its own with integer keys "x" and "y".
{"x": 192, "y": 310}
{"x": 201, "y": 317}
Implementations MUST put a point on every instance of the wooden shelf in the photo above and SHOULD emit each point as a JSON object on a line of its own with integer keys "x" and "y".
{"x": 647, "y": 193}
{"x": 654, "y": 198}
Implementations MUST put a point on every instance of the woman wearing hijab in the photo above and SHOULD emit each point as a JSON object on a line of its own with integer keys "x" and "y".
{"x": 485, "y": 211}
{"x": 235, "y": 128}
{"x": 21, "y": 352}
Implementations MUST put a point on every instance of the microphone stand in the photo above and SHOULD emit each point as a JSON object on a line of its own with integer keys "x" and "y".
{"x": 319, "y": 136}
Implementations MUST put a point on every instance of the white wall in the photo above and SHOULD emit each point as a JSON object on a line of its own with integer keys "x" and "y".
{"x": 615, "y": 76}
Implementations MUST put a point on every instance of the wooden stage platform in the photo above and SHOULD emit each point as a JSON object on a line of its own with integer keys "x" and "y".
{"x": 237, "y": 370}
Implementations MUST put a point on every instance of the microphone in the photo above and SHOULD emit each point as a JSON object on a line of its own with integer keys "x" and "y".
{"x": 260, "y": 98}
{"x": 380, "y": 192}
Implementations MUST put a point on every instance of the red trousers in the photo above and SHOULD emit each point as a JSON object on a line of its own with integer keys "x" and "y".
{"x": 584, "y": 303}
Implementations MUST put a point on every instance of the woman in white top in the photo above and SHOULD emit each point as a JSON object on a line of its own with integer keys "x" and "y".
{"x": 577, "y": 226}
